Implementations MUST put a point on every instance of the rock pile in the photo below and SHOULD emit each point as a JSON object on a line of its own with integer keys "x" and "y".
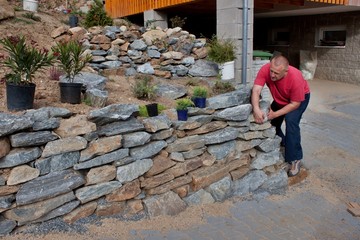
{"x": 164, "y": 53}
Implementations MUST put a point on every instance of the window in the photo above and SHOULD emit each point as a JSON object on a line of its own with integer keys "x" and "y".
{"x": 332, "y": 36}
{"x": 279, "y": 36}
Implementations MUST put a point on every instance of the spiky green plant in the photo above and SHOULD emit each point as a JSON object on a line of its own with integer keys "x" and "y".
{"x": 23, "y": 60}
{"x": 72, "y": 58}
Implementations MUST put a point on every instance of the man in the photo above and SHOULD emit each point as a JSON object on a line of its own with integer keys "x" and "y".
{"x": 291, "y": 94}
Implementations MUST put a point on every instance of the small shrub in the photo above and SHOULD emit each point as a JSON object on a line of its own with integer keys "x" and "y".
{"x": 32, "y": 16}
{"x": 143, "y": 88}
{"x": 221, "y": 51}
{"x": 87, "y": 101}
{"x": 222, "y": 87}
{"x": 184, "y": 103}
{"x": 177, "y": 21}
{"x": 55, "y": 73}
{"x": 192, "y": 82}
{"x": 200, "y": 92}
{"x": 21, "y": 20}
{"x": 97, "y": 16}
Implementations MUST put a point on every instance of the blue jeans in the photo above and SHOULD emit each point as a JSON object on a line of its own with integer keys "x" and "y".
{"x": 292, "y": 138}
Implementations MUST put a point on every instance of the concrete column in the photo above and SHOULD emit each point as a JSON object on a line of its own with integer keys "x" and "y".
{"x": 154, "y": 18}
{"x": 229, "y": 24}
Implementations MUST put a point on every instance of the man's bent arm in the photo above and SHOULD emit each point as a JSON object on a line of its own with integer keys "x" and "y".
{"x": 255, "y": 98}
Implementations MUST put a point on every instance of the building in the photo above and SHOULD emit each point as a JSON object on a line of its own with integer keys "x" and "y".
{"x": 326, "y": 30}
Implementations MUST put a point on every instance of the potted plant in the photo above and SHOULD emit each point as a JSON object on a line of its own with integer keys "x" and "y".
{"x": 222, "y": 51}
{"x": 199, "y": 96}
{"x": 30, "y": 5}
{"x": 182, "y": 106}
{"x": 23, "y": 61}
{"x": 72, "y": 59}
{"x": 145, "y": 111}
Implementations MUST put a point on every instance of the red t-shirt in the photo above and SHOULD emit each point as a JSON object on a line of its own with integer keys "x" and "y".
{"x": 292, "y": 87}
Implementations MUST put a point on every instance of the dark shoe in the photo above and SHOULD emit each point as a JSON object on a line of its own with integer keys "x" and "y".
{"x": 295, "y": 168}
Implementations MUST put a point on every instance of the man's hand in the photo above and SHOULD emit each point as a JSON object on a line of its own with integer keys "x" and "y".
{"x": 271, "y": 115}
{"x": 259, "y": 116}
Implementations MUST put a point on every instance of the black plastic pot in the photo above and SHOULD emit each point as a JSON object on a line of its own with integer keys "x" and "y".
{"x": 182, "y": 115}
{"x": 200, "y": 102}
{"x": 70, "y": 92}
{"x": 73, "y": 21}
{"x": 20, "y": 97}
{"x": 152, "y": 109}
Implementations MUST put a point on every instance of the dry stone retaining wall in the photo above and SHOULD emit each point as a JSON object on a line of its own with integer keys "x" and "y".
{"x": 54, "y": 164}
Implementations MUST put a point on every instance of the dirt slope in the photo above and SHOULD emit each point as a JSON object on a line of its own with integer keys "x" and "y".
{"x": 47, "y": 91}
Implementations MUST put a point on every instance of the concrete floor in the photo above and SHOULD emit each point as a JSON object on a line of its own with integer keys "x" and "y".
{"x": 315, "y": 208}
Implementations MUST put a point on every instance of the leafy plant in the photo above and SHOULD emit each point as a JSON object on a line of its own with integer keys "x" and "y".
{"x": 24, "y": 61}
{"x": 97, "y": 16}
{"x": 221, "y": 50}
{"x": 222, "y": 87}
{"x": 177, "y": 21}
{"x": 143, "y": 88}
{"x": 32, "y": 16}
{"x": 200, "y": 92}
{"x": 72, "y": 58}
{"x": 184, "y": 103}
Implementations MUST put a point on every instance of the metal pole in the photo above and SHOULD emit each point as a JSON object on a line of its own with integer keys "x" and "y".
{"x": 244, "y": 42}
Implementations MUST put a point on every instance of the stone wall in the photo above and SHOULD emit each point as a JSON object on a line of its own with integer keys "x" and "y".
{"x": 336, "y": 64}
{"x": 54, "y": 164}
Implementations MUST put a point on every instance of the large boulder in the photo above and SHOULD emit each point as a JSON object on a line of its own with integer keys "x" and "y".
{"x": 6, "y": 11}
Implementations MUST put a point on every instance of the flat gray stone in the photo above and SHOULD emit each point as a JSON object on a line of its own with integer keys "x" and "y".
{"x": 57, "y": 212}
{"x": 120, "y": 127}
{"x": 6, "y": 225}
{"x": 29, "y": 139}
{"x": 263, "y": 160}
{"x": 131, "y": 171}
{"x": 12, "y": 123}
{"x": 221, "y": 189}
{"x": 157, "y": 123}
{"x": 89, "y": 193}
{"x": 170, "y": 91}
{"x": 168, "y": 203}
{"x": 113, "y": 113}
{"x": 220, "y": 151}
{"x": 19, "y": 156}
{"x": 49, "y": 186}
{"x": 47, "y": 124}
{"x": 135, "y": 139}
{"x": 220, "y": 136}
{"x": 148, "y": 150}
{"x": 34, "y": 211}
{"x": 249, "y": 183}
{"x": 198, "y": 198}
{"x": 103, "y": 159}
{"x": 238, "y": 113}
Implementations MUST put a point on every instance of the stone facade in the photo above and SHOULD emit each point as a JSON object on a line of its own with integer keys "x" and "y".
{"x": 119, "y": 163}
{"x": 335, "y": 64}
